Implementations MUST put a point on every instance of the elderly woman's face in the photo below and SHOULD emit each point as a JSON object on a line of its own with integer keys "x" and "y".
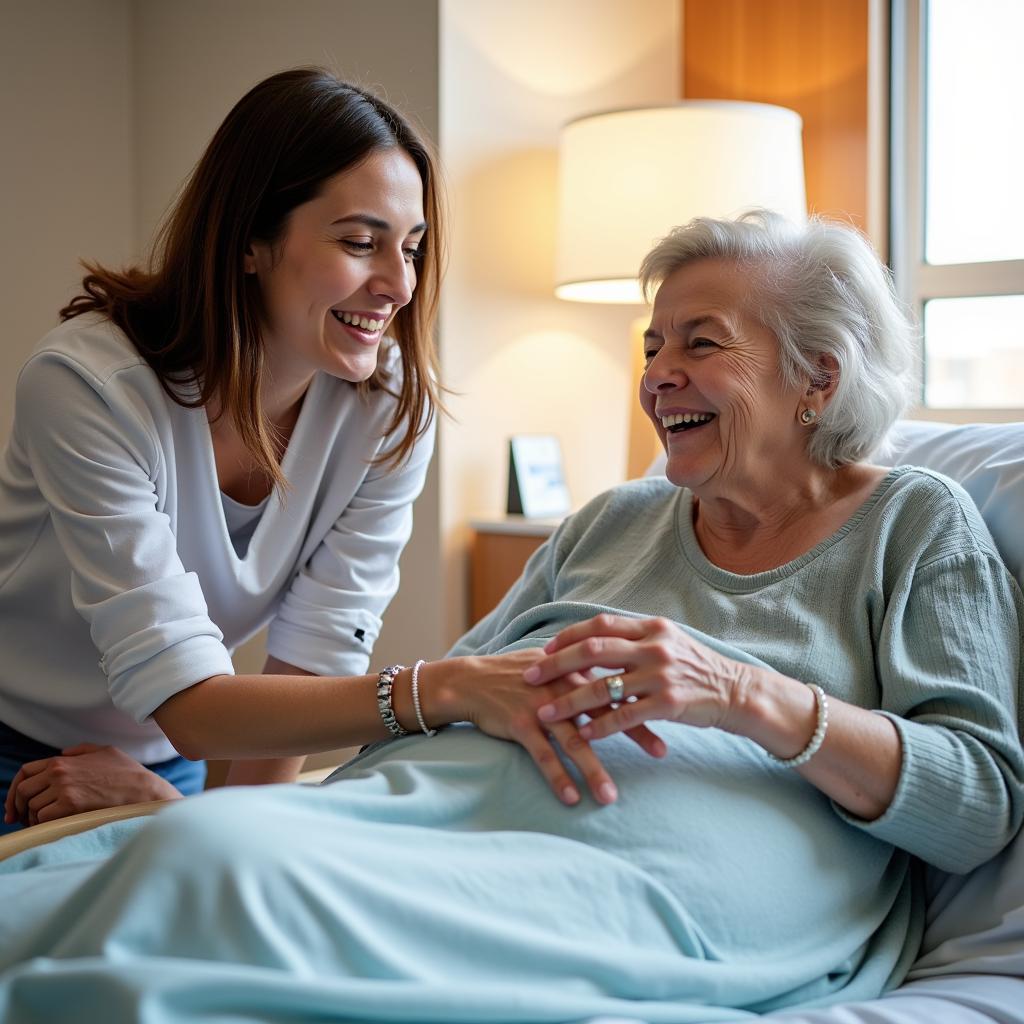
{"x": 712, "y": 385}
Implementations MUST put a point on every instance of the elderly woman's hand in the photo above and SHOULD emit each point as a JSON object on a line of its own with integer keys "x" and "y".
{"x": 666, "y": 674}
{"x": 489, "y": 692}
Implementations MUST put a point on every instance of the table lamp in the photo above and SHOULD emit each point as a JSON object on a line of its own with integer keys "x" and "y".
{"x": 626, "y": 177}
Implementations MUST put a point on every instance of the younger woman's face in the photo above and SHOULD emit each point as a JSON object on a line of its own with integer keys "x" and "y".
{"x": 343, "y": 268}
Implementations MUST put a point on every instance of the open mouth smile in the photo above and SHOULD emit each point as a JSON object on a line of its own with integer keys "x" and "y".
{"x": 363, "y": 327}
{"x": 682, "y": 422}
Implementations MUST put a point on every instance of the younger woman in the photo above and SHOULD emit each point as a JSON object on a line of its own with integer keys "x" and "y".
{"x": 232, "y": 438}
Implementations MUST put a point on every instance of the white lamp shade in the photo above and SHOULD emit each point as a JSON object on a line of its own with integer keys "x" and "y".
{"x": 627, "y": 177}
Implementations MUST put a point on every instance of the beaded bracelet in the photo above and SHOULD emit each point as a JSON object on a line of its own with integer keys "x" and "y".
{"x": 416, "y": 700}
{"x": 816, "y": 739}
{"x": 385, "y": 682}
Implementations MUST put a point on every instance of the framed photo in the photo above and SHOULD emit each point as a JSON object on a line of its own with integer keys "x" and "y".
{"x": 536, "y": 483}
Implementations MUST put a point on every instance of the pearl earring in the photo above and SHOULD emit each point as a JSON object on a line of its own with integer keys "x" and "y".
{"x": 808, "y": 416}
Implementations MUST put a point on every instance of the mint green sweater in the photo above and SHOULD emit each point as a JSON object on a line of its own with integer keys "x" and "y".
{"x": 907, "y": 609}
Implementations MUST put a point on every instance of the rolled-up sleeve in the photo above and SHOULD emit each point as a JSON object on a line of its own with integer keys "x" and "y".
{"x": 95, "y": 460}
{"x": 329, "y": 619}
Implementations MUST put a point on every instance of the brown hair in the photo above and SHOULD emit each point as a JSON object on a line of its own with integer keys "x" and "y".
{"x": 193, "y": 316}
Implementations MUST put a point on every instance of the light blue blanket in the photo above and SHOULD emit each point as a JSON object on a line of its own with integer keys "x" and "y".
{"x": 438, "y": 880}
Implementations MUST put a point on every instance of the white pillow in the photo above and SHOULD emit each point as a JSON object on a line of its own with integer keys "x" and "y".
{"x": 986, "y": 459}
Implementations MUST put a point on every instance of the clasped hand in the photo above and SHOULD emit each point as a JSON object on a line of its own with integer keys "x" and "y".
{"x": 81, "y": 778}
{"x": 667, "y": 674}
{"x": 507, "y": 709}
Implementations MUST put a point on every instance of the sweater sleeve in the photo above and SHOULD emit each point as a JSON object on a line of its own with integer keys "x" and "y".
{"x": 329, "y": 619}
{"x": 949, "y": 662}
{"x": 95, "y": 461}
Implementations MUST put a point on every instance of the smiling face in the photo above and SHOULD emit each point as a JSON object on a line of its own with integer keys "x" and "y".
{"x": 712, "y": 385}
{"x": 344, "y": 266}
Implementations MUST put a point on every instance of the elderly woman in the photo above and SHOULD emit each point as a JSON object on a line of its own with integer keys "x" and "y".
{"x": 812, "y": 615}
{"x": 776, "y": 361}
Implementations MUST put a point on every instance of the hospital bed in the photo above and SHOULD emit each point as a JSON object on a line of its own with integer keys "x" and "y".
{"x": 970, "y": 969}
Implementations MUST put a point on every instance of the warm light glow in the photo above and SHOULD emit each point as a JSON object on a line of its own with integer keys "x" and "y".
{"x": 627, "y": 177}
{"x": 621, "y": 290}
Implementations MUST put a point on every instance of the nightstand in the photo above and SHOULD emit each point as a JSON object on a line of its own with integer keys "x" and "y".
{"x": 499, "y": 550}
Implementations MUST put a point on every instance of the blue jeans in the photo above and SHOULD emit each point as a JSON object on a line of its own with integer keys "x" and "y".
{"x": 17, "y": 749}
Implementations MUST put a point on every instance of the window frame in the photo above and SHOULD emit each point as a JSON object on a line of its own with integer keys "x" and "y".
{"x": 916, "y": 280}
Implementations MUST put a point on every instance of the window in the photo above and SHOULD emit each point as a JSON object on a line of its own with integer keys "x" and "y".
{"x": 957, "y": 211}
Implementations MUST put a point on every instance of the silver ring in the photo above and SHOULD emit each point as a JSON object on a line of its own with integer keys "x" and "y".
{"x": 616, "y": 688}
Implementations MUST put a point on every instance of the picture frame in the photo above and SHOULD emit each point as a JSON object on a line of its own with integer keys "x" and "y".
{"x": 536, "y": 481}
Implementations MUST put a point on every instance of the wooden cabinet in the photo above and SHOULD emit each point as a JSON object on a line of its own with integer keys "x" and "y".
{"x": 499, "y": 550}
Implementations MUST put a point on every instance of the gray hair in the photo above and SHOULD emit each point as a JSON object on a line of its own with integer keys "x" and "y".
{"x": 821, "y": 290}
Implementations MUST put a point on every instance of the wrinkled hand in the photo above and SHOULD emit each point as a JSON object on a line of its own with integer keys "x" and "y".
{"x": 668, "y": 675}
{"x": 501, "y": 705}
{"x": 81, "y": 778}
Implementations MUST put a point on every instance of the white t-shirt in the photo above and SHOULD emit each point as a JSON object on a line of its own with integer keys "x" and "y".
{"x": 241, "y": 521}
{"x": 119, "y": 582}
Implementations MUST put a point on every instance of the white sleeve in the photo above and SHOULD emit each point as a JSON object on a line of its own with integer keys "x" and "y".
{"x": 94, "y": 458}
{"x": 330, "y": 618}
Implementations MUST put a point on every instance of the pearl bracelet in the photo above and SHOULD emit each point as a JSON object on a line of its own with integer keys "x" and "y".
{"x": 816, "y": 739}
{"x": 416, "y": 700}
{"x": 385, "y": 681}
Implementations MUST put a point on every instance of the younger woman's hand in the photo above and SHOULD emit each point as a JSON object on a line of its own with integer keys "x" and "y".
{"x": 666, "y": 673}
{"x": 489, "y": 692}
{"x": 81, "y": 778}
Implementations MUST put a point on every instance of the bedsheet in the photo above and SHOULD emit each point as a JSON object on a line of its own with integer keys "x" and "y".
{"x": 441, "y": 881}
{"x": 138, "y": 978}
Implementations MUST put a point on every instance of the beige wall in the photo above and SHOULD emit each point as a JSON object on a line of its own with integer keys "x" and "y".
{"x": 194, "y": 58}
{"x": 521, "y": 360}
{"x": 67, "y": 166}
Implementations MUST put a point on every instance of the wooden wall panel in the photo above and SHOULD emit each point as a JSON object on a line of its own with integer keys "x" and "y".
{"x": 809, "y": 55}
